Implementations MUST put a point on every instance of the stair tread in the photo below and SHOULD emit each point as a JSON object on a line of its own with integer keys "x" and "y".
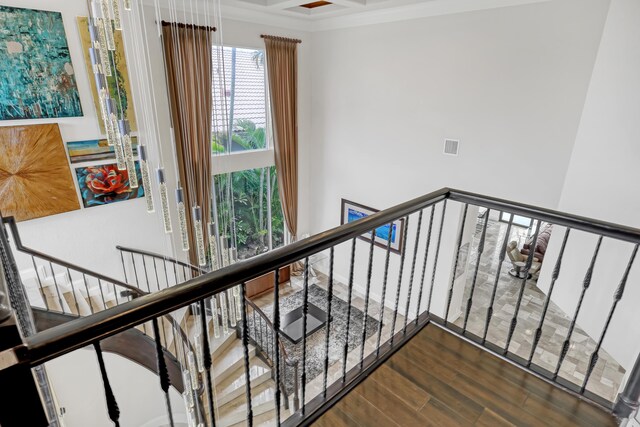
{"x": 261, "y": 403}
{"x": 234, "y": 387}
{"x": 230, "y": 360}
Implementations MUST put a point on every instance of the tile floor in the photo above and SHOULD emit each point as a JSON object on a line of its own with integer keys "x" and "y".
{"x": 607, "y": 375}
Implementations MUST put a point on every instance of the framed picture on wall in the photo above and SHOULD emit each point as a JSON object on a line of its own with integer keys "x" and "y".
{"x": 352, "y": 211}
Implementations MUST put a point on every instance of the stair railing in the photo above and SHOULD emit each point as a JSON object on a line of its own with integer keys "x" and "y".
{"x": 57, "y": 286}
{"x": 164, "y": 266}
{"x": 431, "y": 249}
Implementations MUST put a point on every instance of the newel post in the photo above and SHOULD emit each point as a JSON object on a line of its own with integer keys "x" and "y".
{"x": 629, "y": 399}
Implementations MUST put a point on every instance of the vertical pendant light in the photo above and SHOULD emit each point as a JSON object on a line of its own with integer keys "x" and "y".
{"x": 126, "y": 4}
{"x": 182, "y": 219}
{"x": 238, "y": 299}
{"x": 223, "y": 312}
{"x": 213, "y": 246}
{"x": 114, "y": 133}
{"x": 108, "y": 28}
{"x": 197, "y": 228}
{"x": 125, "y": 135}
{"x": 146, "y": 180}
{"x": 193, "y": 370}
{"x": 164, "y": 201}
{"x": 214, "y": 314}
{"x": 232, "y": 308}
{"x": 115, "y": 14}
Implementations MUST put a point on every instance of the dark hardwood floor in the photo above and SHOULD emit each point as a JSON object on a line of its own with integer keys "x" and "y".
{"x": 439, "y": 380}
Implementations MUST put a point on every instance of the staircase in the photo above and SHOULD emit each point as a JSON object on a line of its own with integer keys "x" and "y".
{"x": 59, "y": 292}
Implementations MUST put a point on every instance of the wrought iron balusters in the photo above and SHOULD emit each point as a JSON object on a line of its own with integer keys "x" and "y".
{"x": 424, "y": 266}
{"x": 554, "y": 277}
{"x": 585, "y": 285}
{"x": 413, "y": 270}
{"x": 366, "y": 297}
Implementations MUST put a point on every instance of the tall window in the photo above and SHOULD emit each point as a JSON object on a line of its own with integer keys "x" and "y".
{"x": 249, "y": 209}
{"x": 240, "y": 101}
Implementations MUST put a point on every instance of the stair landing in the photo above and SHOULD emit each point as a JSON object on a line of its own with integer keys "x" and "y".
{"x": 437, "y": 379}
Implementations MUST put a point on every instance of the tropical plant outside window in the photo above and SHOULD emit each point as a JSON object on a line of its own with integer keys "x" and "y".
{"x": 249, "y": 209}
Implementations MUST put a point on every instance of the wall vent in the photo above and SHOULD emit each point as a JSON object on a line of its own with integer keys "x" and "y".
{"x": 451, "y": 147}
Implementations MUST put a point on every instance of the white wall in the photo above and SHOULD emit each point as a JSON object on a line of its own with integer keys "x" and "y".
{"x": 603, "y": 181}
{"x": 510, "y": 83}
{"x": 81, "y": 393}
{"x": 86, "y": 237}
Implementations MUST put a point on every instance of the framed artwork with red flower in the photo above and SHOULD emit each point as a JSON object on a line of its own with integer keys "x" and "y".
{"x": 106, "y": 184}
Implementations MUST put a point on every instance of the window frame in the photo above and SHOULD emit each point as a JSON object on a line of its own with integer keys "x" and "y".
{"x": 238, "y": 161}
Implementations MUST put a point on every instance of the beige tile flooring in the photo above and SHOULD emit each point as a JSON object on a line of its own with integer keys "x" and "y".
{"x": 607, "y": 375}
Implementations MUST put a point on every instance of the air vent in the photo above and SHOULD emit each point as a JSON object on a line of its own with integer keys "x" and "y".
{"x": 451, "y": 147}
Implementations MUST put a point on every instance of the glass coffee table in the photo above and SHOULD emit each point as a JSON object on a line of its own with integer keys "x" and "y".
{"x": 291, "y": 323}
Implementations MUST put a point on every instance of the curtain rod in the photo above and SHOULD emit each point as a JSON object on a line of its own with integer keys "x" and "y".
{"x": 282, "y": 39}
{"x": 181, "y": 25}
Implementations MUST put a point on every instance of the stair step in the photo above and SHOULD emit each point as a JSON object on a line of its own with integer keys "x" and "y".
{"x": 262, "y": 405}
{"x": 230, "y": 360}
{"x": 235, "y": 385}
{"x": 222, "y": 343}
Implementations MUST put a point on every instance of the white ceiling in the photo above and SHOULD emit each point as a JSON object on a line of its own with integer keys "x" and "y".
{"x": 336, "y": 8}
{"x": 350, "y": 13}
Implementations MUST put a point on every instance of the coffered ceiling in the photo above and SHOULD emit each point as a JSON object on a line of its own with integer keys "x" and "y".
{"x": 314, "y": 15}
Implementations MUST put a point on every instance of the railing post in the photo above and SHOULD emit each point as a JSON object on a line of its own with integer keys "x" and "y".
{"x": 628, "y": 401}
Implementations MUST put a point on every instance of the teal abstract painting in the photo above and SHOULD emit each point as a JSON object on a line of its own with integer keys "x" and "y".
{"x": 38, "y": 81}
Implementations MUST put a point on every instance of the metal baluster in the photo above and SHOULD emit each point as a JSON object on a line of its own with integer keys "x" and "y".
{"x": 73, "y": 291}
{"x": 514, "y": 319}
{"x": 55, "y": 282}
{"x": 435, "y": 259}
{"x": 112, "y": 405}
{"x": 305, "y": 311}
{"x": 135, "y": 270}
{"x": 104, "y": 301}
{"x": 245, "y": 344}
{"x": 554, "y": 277}
{"x": 424, "y": 266}
{"x": 166, "y": 275}
{"x": 44, "y": 297}
{"x": 276, "y": 328}
{"x": 404, "y": 250}
{"x": 366, "y": 297}
{"x": 175, "y": 272}
{"x": 163, "y": 373}
{"x": 146, "y": 274}
{"x": 616, "y": 299}
{"x": 86, "y": 287}
{"x": 350, "y": 292}
{"x": 124, "y": 269}
{"x": 585, "y": 285}
{"x": 155, "y": 269}
{"x": 206, "y": 360}
{"x": 384, "y": 289}
{"x": 455, "y": 265}
{"x": 501, "y": 257}
{"x": 184, "y": 273}
{"x": 413, "y": 270}
{"x": 326, "y": 339}
{"x": 475, "y": 272}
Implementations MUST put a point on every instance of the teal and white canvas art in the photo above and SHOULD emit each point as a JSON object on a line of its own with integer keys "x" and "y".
{"x": 38, "y": 80}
